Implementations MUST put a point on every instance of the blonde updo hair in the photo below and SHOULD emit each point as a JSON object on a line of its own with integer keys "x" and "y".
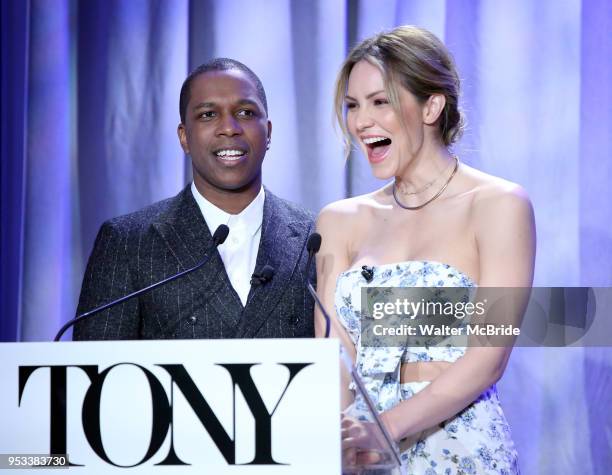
{"x": 418, "y": 61}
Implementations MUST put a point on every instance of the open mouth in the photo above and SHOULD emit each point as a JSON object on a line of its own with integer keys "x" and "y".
{"x": 230, "y": 154}
{"x": 377, "y": 147}
{"x": 375, "y": 142}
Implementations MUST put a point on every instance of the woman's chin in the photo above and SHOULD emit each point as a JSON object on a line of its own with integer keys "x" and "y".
{"x": 382, "y": 171}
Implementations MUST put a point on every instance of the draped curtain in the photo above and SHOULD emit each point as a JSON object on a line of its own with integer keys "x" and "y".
{"x": 90, "y": 108}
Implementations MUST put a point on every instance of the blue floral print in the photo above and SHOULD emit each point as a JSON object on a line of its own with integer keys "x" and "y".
{"x": 477, "y": 440}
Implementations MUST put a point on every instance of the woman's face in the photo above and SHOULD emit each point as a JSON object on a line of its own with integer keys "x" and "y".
{"x": 374, "y": 124}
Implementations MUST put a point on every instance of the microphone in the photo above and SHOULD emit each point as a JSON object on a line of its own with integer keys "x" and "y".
{"x": 367, "y": 273}
{"x": 262, "y": 277}
{"x": 312, "y": 246}
{"x": 219, "y": 237}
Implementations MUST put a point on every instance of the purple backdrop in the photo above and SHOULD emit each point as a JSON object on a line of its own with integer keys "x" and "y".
{"x": 90, "y": 107}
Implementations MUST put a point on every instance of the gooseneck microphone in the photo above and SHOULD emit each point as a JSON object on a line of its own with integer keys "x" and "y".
{"x": 219, "y": 237}
{"x": 312, "y": 246}
{"x": 263, "y": 276}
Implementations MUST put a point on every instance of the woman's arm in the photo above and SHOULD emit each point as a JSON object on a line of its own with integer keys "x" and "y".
{"x": 332, "y": 259}
{"x": 505, "y": 237}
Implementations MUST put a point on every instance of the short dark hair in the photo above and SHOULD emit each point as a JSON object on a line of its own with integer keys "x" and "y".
{"x": 218, "y": 64}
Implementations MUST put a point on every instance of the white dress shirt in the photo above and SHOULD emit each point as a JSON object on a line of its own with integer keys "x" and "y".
{"x": 239, "y": 251}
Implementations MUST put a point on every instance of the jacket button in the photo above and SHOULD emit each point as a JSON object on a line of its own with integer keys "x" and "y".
{"x": 193, "y": 319}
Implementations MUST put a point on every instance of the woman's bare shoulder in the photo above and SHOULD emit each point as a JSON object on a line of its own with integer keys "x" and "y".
{"x": 346, "y": 212}
{"x": 496, "y": 198}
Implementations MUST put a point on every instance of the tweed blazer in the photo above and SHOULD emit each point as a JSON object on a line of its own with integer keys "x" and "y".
{"x": 139, "y": 249}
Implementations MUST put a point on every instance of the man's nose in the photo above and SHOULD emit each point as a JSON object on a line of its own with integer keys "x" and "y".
{"x": 229, "y": 126}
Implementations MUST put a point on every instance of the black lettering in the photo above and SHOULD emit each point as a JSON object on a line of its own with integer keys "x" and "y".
{"x": 206, "y": 415}
{"x": 241, "y": 377}
{"x": 57, "y": 436}
{"x": 91, "y": 415}
{"x": 162, "y": 410}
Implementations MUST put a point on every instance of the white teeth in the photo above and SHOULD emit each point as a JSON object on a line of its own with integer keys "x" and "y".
{"x": 370, "y": 140}
{"x": 230, "y": 154}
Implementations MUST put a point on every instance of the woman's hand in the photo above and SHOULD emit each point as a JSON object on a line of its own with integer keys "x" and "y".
{"x": 363, "y": 443}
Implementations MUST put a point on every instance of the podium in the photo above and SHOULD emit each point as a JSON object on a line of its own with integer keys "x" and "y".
{"x": 180, "y": 406}
{"x": 173, "y": 407}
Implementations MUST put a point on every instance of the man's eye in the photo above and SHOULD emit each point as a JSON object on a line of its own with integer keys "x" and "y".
{"x": 246, "y": 113}
{"x": 207, "y": 115}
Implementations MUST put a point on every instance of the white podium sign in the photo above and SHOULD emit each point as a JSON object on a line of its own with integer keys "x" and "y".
{"x": 160, "y": 407}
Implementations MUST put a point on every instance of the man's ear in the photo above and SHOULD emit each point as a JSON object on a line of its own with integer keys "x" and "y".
{"x": 433, "y": 108}
{"x": 269, "y": 139}
{"x": 182, "y": 136}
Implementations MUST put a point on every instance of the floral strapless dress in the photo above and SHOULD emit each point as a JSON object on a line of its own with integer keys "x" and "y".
{"x": 477, "y": 440}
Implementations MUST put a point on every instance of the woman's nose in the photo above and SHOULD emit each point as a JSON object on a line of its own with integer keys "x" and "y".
{"x": 363, "y": 119}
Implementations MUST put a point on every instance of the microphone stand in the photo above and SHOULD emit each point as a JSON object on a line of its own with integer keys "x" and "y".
{"x": 218, "y": 238}
{"x": 313, "y": 245}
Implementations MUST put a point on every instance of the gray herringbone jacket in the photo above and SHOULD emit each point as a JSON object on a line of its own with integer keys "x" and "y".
{"x": 136, "y": 250}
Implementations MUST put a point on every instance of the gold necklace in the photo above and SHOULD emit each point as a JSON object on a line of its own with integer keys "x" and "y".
{"x": 440, "y": 191}
{"x": 425, "y": 187}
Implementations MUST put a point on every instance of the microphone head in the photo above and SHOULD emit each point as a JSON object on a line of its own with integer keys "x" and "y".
{"x": 314, "y": 243}
{"x": 267, "y": 272}
{"x": 220, "y": 234}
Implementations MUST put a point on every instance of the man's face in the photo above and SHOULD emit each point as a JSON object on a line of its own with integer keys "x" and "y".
{"x": 226, "y": 132}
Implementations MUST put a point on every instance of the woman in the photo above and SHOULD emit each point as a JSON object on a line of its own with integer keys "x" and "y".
{"x": 438, "y": 222}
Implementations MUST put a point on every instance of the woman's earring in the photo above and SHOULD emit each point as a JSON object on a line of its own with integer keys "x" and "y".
{"x": 268, "y": 145}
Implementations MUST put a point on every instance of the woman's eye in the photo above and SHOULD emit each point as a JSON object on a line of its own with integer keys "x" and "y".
{"x": 380, "y": 102}
{"x": 351, "y": 105}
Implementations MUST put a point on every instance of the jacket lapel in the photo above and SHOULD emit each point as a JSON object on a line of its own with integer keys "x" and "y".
{"x": 186, "y": 234}
{"x": 280, "y": 247}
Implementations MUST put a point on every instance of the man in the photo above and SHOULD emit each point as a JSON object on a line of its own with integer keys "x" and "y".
{"x": 225, "y": 130}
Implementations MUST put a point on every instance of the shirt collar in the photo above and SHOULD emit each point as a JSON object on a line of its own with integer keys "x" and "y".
{"x": 248, "y": 220}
